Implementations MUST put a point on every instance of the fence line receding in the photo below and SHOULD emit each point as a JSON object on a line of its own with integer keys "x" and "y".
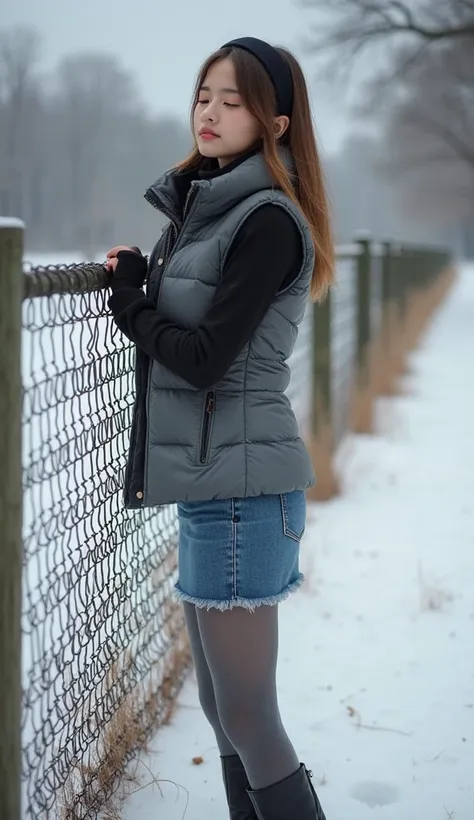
{"x": 104, "y": 647}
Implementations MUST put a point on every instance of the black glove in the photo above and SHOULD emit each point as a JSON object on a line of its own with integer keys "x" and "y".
{"x": 131, "y": 270}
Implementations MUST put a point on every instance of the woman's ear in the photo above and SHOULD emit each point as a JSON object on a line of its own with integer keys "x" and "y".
{"x": 280, "y": 125}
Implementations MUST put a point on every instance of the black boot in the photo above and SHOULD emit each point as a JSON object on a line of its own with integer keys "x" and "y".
{"x": 236, "y": 785}
{"x": 291, "y": 799}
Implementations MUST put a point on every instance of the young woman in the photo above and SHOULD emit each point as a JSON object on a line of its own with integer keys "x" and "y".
{"x": 248, "y": 239}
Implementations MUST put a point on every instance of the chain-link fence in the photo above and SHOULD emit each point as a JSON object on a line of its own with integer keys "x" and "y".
{"x": 104, "y": 647}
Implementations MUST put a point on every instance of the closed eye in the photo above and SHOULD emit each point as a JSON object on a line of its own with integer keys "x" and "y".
{"x": 228, "y": 104}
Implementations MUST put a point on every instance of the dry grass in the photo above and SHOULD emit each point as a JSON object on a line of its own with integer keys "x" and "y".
{"x": 362, "y": 416}
{"x": 321, "y": 451}
{"x": 387, "y": 362}
{"x": 392, "y": 353}
{"x": 400, "y": 335}
{"x": 97, "y": 790}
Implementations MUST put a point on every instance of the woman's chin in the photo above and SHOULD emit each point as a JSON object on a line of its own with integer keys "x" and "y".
{"x": 208, "y": 149}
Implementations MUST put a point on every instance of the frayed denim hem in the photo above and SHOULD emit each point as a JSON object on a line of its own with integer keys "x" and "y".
{"x": 246, "y": 603}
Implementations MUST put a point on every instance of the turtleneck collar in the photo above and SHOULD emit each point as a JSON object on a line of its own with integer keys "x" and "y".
{"x": 217, "y": 188}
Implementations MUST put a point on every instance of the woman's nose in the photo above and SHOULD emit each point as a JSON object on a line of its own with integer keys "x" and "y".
{"x": 209, "y": 114}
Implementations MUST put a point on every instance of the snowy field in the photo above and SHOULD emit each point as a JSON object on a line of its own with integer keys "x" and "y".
{"x": 376, "y": 673}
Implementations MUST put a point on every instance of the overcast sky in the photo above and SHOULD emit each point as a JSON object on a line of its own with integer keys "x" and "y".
{"x": 163, "y": 42}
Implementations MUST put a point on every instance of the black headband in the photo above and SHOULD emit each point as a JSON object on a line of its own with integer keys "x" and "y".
{"x": 276, "y": 67}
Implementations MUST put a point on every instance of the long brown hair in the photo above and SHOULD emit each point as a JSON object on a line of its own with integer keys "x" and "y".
{"x": 306, "y": 188}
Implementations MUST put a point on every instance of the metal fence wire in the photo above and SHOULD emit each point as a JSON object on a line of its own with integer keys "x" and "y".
{"x": 103, "y": 645}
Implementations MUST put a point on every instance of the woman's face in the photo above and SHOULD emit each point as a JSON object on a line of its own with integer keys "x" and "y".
{"x": 223, "y": 127}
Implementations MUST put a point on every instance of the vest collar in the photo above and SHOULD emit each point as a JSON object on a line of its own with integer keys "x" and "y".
{"x": 215, "y": 191}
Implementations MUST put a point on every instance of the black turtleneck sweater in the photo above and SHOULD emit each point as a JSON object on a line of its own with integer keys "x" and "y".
{"x": 265, "y": 257}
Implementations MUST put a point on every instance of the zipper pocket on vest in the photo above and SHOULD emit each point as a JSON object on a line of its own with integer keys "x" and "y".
{"x": 209, "y": 406}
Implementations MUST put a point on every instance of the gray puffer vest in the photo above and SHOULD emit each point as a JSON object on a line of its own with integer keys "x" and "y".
{"x": 238, "y": 437}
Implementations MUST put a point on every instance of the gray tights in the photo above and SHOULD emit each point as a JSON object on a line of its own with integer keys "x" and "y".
{"x": 235, "y": 656}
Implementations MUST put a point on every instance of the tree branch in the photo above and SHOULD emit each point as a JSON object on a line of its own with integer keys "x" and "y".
{"x": 458, "y": 146}
{"x": 368, "y": 21}
{"x": 405, "y": 61}
{"x": 468, "y": 4}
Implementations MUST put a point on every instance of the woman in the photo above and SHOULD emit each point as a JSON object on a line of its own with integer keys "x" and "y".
{"x": 247, "y": 241}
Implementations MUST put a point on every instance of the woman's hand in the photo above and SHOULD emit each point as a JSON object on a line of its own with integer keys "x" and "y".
{"x": 128, "y": 266}
{"x": 112, "y": 260}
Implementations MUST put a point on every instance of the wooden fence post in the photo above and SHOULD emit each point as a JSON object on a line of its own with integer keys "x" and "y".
{"x": 389, "y": 325}
{"x": 321, "y": 444}
{"x": 11, "y": 291}
{"x": 364, "y": 388}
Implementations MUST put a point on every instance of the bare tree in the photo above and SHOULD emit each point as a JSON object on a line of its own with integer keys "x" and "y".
{"x": 431, "y": 118}
{"x": 19, "y": 53}
{"x": 417, "y": 84}
{"x": 351, "y": 27}
{"x": 94, "y": 95}
{"x": 428, "y": 138}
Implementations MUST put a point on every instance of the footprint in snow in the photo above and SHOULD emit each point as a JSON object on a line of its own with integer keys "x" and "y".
{"x": 375, "y": 794}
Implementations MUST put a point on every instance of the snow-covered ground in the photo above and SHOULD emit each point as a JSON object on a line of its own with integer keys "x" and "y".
{"x": 376, "y": 673}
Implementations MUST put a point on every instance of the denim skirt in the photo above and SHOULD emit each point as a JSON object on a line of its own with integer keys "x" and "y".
{"x": 240, "y": 552}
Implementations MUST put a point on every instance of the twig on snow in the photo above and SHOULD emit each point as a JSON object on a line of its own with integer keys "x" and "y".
{"x": 359, "y": 725}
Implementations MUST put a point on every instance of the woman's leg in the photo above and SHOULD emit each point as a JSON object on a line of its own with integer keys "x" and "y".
{"x": 241, "y": 651}
{"x": 204, "y": 681}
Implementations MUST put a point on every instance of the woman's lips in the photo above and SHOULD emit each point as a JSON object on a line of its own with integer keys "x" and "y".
{"x": 208, "y": 135}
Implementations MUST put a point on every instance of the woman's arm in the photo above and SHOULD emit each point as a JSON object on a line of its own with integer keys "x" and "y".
{"x": 265, "y": 255}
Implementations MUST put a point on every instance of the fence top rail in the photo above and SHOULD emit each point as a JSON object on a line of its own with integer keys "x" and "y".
{"x": 349, "y": 251}
{"x": 56, "y": 279}
{"x": 86, "y": 277}
{"x": 410, "y": 247}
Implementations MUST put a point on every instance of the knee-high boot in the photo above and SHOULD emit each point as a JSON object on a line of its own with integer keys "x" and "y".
{"x": 236, "y": 785}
